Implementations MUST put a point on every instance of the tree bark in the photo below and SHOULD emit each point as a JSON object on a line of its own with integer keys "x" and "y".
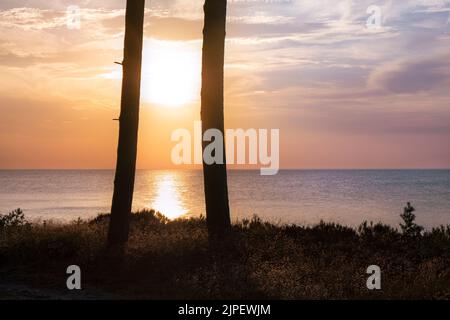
{"x": 128, "y": 125}
{"x": 212, "y": 115}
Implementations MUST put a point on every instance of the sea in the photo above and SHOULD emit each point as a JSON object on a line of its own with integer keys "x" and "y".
{"x": 305, "y": 197}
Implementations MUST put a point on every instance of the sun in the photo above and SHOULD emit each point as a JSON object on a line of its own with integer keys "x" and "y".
{"x": 170, "y": 73}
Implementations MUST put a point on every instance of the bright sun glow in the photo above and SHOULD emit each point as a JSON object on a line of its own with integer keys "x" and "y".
{"x": 167, "y": 200}
{"x": 170, "y": 73}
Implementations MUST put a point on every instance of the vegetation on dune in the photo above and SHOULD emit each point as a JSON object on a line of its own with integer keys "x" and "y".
{"x": 172, "y": 259}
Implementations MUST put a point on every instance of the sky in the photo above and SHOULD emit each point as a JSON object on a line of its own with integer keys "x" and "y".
{"x": 344, "y": 94}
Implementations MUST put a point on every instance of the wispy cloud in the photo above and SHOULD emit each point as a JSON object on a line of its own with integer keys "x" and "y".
{"x": 308, "y": 67}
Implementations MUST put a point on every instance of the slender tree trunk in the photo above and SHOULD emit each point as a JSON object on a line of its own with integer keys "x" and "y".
{"x": 128, "y": 125}
{"x": 212, "y": 115}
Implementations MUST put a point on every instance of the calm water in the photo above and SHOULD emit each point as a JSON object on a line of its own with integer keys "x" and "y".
{"x": 298, "y": 196}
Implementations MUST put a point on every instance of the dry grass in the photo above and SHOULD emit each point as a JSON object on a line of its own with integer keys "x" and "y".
{"x": 172, "y": 259}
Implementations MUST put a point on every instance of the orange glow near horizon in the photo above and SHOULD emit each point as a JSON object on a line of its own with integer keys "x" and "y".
{"x": 168, "y": 200}
{"x": 336, "y": 106}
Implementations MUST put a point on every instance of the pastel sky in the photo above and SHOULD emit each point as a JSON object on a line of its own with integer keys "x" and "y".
{"x": 343, "y": 95}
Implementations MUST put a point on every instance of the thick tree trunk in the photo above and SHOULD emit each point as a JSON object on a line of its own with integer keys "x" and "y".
{"x": 212, "y": 115}
{"x": 128, "y": 125}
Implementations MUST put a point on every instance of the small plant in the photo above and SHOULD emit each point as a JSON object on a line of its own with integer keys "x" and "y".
{"x": 13, "y": 219}
{"x": 409, "y": 227}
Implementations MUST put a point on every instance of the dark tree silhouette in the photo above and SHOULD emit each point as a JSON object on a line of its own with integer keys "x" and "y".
{"x": 128, "y": 125}
{"x": 409, "y": 227}
{"x": 212, "y": 115}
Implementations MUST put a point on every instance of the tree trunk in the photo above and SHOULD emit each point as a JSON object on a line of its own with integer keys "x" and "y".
{"x": 128, "y": 125}
{"x": 212, "y": 116}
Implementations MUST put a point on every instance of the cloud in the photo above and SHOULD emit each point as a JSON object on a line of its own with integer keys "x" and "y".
{"x": 19, "y": 61}
{"x": 308, "y": 67}
{"x": 31, "y": 19}
{"x": 413, "y": 76}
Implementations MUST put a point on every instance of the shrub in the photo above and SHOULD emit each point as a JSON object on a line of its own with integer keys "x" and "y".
{"x": 15, "y": 218}
{"x": 409, "y": 227}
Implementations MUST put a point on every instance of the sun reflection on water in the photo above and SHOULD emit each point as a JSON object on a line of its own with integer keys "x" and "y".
{"x": 167, "y": 199}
